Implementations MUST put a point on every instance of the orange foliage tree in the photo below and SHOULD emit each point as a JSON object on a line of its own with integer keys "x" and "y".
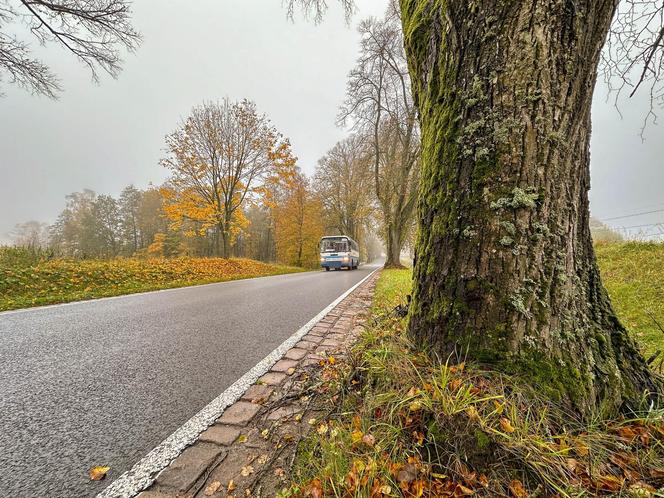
{"x": 298, "y": 222}
{"x": 220, "y": 158}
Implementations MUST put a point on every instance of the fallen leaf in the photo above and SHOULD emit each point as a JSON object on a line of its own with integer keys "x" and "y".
{"x": 499, "y": 407}
{"x": 322, "y": 428}
{"x": 461, "y": 490}
{"x": 506, "y": 425}
{"x": 627, "y": 434}
{"x": 417, "y": 488}
{"x": 415, "y": 406}
{"x": 247, "y": 471}
{"x": 517, "y": 489}
{"x": 315, "y": 489}
{"x": 279, "y": 472}
{"x": 98, "y": 473}
{"x": 356, "y": 436}
{"x": 212, "y": 488}
{"x": 369, "y": 440}
{"x": 455, "y": 384}
{"x": 290, "y": 371}
{"x": 609, "y": 483}
{"x": 231, "y": 486}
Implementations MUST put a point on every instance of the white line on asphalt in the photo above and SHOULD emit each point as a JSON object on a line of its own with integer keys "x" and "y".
{"x": 144, "y": 472}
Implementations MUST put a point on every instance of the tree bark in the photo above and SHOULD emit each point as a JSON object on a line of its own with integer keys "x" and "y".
{"x": 505, "y": 271}
{"x": 394, "y": 245}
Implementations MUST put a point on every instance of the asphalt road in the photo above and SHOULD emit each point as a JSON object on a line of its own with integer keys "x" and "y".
{"x": 103, "y": 382}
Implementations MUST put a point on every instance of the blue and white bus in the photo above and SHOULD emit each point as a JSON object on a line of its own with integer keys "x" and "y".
{"x": 339, "y": 251}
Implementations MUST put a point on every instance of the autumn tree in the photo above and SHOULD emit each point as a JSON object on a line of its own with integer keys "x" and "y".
{"x": 93, "y": 31}
{"x": 298, "y": 224}
{"x": 505, "y": 271}
{"x": 218, "y": 159}
{"x": 343, "y": 181}
{"x": 380, "y": 106}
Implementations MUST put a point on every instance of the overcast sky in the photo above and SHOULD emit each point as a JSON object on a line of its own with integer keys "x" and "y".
{"x": 104, "y": 137}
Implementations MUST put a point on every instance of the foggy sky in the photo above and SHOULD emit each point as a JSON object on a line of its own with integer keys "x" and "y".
{"x": 104, "y": 137}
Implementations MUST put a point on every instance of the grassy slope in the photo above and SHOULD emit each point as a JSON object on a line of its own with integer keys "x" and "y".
{"x": 633, "y": 273}
{"x": 408, "y": 426}
{"x": 25, "y": 284}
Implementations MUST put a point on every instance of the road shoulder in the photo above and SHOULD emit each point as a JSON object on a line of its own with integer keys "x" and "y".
{"x": 252, "y": 444}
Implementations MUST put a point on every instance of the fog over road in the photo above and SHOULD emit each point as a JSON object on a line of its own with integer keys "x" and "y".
{"x": 103, "y": 382}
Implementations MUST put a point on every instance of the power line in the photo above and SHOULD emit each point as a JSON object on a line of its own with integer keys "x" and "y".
{"x": 639, "y": 226}
{"x": 633, "y": 215}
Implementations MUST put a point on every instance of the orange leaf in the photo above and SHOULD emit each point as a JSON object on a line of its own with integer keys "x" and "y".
{"x": 98, "y": 473}
{"x": 517, "y": 489}
{"x": 315, "y": 489}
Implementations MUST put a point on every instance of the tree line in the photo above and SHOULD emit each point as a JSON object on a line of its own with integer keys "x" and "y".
{"x": 235, "y": 188}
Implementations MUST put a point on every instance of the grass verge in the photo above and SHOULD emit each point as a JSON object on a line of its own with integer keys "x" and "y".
{"x": 633, "y": 273}
{"x": 405, "y": 425}
{"x": 61, "y": 280}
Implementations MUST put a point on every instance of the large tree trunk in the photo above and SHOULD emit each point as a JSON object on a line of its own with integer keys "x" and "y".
{"x": 505, "y": 272}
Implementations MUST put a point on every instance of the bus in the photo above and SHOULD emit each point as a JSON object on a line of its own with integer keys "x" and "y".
{"x": 339, "y": 251}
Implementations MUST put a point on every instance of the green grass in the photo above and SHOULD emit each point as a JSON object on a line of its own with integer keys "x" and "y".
{"x": 633, "y": 273}
{"x": 405, "y": 425}
{"x": 27, "y": 281}
{"x": 390, "y": 289}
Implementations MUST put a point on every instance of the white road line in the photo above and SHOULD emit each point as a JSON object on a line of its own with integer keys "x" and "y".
{"x": 144, "y": 472}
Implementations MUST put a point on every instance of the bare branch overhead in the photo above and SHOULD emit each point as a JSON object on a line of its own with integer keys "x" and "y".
{"x": 94, "y": 31}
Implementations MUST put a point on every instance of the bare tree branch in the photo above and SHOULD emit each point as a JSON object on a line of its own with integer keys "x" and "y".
{"x": 633, "y": 56}
{"x": 316, "y": 9}
{"x": 94, "y": 31}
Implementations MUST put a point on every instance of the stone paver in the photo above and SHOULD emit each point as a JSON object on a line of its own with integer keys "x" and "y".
{"x": 284, "y": 365}
{"x": 189, "y": 466}
{"x": 220, "y": 434}
{"x": 295, "y": 354}
{"x": 157, "y": 494}
{"x": 272, "y": 378}
{"x": 258, "y": 393}
{"x": 306, "y": 344}
{"x": 239, "y": 413}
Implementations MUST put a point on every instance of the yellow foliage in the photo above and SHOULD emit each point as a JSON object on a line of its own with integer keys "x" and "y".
{"x": 298, "y": 225}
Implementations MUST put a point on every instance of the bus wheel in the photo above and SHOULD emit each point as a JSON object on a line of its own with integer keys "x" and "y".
{"x": 327, "y": 268}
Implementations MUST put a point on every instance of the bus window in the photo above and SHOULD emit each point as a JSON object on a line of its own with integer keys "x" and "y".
{"x": 333, "y": 245}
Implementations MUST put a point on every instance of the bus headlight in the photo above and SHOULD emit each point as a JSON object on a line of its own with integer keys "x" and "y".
{"x": 345, "y": 259}
{"x": 322, "y": 260}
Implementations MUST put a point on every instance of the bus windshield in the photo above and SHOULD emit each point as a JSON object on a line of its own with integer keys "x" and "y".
{"x": 333, "y": 245}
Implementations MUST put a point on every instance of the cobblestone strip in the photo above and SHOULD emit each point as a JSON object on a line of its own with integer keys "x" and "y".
{"x": 249, "y": 449}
